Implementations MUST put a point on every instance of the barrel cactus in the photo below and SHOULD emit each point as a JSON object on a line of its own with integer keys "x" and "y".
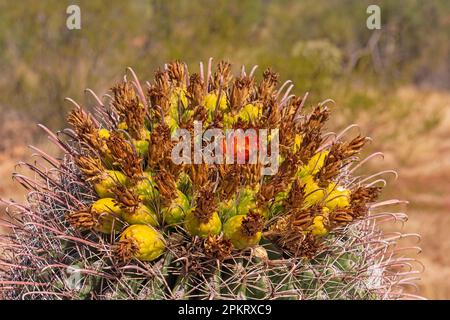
{"x": 117, "y": 218}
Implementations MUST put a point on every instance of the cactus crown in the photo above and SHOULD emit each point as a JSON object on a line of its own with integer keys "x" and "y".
{"x": 134, "y": 224}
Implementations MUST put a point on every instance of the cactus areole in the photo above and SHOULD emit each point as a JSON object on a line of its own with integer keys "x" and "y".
{"x": 116, "y": 217}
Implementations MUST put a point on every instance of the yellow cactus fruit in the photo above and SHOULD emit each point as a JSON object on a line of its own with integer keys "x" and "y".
{"x": 122, "y": 126}
{"x": 145, "y": 189}
{"x": 229, "y": 119}
{"x": 302, "y": 172}
{"x": 106, "y": 204}
{"x": 108, "y": 213}
{"x": 171, "y": 119}
{"x": 141, "y": 147}
{"x": 196, "y": 227}
{"x": 228, "y": 208}
{"x": 297, "y": 142}
{"x": 210, "y": 102}
{"x": 243, "y": 230}
{"x": 280, "y": 197}
{"x": 106, "y": 183}
{"x": 177, "y": 210}
{"x": 338, "y": 197}
{"x": 141, "y": 144}
{"x": 172, "y": 123}
{"x": 317, "y": 161}
{"x": 276, "y": 206}
{"x": 103, "y": 133}
{"x": 242, "y": 205}
{"x": 187, "y": 115}
{"x": 142, "y": 132}
{"x": 314, "y": 194}
{"x": 249, "y": 113}
{"x": 141, "y": 242}
{"x": 318, "y": 228}
{"x": 178, "y": 95}
{"x": 145, "y": 134}
{"x": 140, "y": 215}
{"x": 102, "y": 216}
{"x": 314, "y": 164}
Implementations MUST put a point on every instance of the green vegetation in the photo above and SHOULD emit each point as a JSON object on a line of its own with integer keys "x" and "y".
{"x": 323, "y": 46}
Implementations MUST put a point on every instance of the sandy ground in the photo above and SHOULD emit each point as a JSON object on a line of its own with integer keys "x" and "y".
{"x": 421, "y": 158}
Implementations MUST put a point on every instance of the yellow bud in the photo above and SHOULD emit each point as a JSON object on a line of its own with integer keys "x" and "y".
{"x": 141, "y": 147}
{"x": 249, "y": 113}
{"x": 122, "y": 126}
{"x": 318, "y": 228}
{"x": 112, "y": 178}
{"x": 338, "y": 197}
{"x": 176, "y": 212}
{"x": 314, "y": 194}
{"x": 145, "y": 189}
{"x": 317, "y": 161}
{"x": 107, "y": 213}
{"x": 195, "y": 227}
{"x": 178, "y": 95}
{"x": 229, "y": 119}
{"x": 210, "y": 102}
{"x": 103, "y": 133}
{"x": 297, "y": 142}
{"x": 232, "y": 230}
{"x": 172, "y": 123}
{"x": 141, "y": 215}
{"x": 314, "y": 164}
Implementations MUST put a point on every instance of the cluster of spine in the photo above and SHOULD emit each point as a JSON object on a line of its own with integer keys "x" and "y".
{"x": 134, "y": 225}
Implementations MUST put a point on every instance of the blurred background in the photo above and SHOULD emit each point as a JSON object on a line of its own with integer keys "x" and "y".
{"x": 393, "y": 81}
